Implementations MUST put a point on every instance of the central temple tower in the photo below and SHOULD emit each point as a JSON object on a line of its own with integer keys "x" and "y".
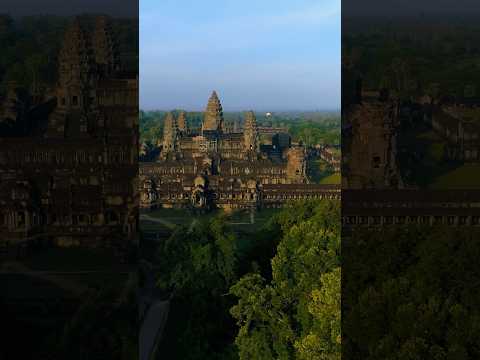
{"x": 213, "y": 120}
{"x": 76, "y": 87}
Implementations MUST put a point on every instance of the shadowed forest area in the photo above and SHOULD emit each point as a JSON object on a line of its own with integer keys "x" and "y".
{"x": 411, "y": 293}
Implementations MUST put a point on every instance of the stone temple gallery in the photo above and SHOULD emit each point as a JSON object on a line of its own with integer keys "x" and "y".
{"x": 219, "y": 166}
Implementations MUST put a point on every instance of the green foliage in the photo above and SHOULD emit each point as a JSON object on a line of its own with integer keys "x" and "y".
{"x": 202, "y": 258}
{"x": 198, "y": 267}
{"x": 324, "y": 340}
{"x": 309, "y": 128}
{"x": 104, "y": 325}
{"x": 151, "y": 126}
{"x": 29, "y": 57}
{"x": 277, "y": 318}
{"x": 30, "y": 47}
{"x": 312, "y": 133}
{"x": 411, "y": 293}
{"x": 410, "y": 60}
{"x": 321, "y": 172}
{"x": 212, "y": 273}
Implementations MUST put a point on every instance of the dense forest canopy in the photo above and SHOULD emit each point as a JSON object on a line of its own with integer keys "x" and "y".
{"x": 414, "y": 56}
{"x": 411, "y": 293}
{"x": 309, "y": 127}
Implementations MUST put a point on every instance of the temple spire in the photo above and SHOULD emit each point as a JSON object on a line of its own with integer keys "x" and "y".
{"x": 104, "y": 46}
{"x": 250, "y": 135}
{"x": 182, "y": 122}
{"x": 75, "y": 59}
{"x": 75, "y": 84}
{"x": 170, "y": 134}
{"x": 213, "y": 114}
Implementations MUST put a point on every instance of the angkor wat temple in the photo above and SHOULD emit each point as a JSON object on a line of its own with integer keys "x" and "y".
{"x": 68, "y": 162}
{"x": 216, "y": 166}
{"x": 373, "y": 193}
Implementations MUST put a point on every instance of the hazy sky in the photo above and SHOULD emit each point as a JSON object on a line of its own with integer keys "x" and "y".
{"x": 260, "y": 55}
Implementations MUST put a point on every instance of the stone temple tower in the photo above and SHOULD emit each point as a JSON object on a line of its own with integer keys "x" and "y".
{"x": 75, "y": 89}
{"x": 213, "y": 120}
{"x": 76, "y": 64}
{"x": 182, "y": 122}
{"x": 372, "y": 158}
{"x": 170, "y": 134}
{"x": 296, "y": 165}
{"x": 104, "y": 46}
{"x": 250, "y": 134}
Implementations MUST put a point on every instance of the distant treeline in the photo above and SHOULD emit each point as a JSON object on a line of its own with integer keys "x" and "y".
{"x": 30, "y": 47}
{"x": 411, "y": 60}
{"x": 308, "y": 127}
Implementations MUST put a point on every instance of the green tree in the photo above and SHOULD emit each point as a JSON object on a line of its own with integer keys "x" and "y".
{"x": 197, "y": 267}
{"x": 408, "y": 294}
{"x": 104, "y": 325}
{"x": 324, "y": 339}
{"x": 275, "y": 318}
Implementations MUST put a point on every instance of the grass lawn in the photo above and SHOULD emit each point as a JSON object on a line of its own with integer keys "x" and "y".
{"x": 169, "y": 213}
{"x": 421, "y": 156}
{"x": 149, "y": 226}
{"x": 334, "y": 178}
{"x": 184, "y": 217}
{"x": 320, "y": 172}
{"x": 238, "y": 220}
{"x": 261, "y": 218}
{"x": 174, "y": 216}
{"x": 463, "y": 177}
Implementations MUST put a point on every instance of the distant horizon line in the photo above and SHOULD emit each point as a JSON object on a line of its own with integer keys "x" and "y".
{"x": 245, "y": 110}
